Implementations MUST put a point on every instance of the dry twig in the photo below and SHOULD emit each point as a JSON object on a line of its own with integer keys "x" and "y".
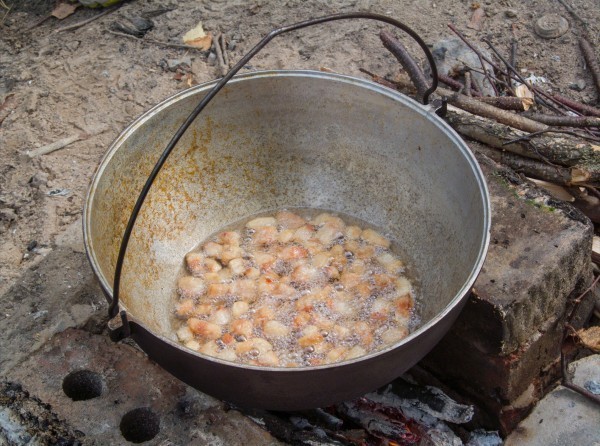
{"x": 592, "y": 62}
{"x": 62, "y": 143}
{"x": 542, "y": 170}
{"x": 479, "y": 108}
{"x": 415, "y": 73}
{"x": 380, "y": 80}
{"x": 90, "y": 20}
{"x": 565, "y": 121}
{"x": 467, "y": 90}
{"x": 224, "y": 49}
{"x": 481, "y": 57}
{"x": 562, "y": 150}
{"x": 223, "y": 69}
{"x": 581, "y": 108}
{"x": 155, "y": 42}
{"x": 573, "y": 13}
{"x": 4, "y": 6}
{"x": 504, "y": 102}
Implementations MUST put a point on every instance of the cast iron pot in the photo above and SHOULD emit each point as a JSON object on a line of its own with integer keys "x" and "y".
{"x": 273, "y": 140}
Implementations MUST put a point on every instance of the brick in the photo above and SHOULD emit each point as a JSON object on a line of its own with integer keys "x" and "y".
{"x": 504, "y": 377}
{"x": 506, "y": 342}
{"x": 539, "y": 249}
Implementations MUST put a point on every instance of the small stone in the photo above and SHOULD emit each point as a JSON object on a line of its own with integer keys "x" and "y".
{"x": 593, "y": 386}
{"x": 551, "y": 26}
{"x": 38, "y": 180}
{"x": 7, "y": 214}
{"x": 231, "y": 45}
{"x": 510, "y": 14}
{"x": 211, "y": 59}
{"x": 578, "y": 85}
{"x": 173, "y": 64}
{"x": 72, "y": 44}
{"x": 25, "y": 76}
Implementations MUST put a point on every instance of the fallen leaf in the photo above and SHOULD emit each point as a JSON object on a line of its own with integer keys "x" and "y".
{"x": 198, "y": 38}
{"x": 64, "y": 10}
{"x": 190, "y": 80}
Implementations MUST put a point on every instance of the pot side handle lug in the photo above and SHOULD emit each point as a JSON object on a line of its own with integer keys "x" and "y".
{"x": 438, "y": 106}
{"x": 118, "y": 327}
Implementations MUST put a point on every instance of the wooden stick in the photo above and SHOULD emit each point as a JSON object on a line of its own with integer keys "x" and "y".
{"x": 488, "y": 111}
{"x": 563, "y": 150}
{"x": 56, "y": 145}
{"x": 592, "y": 62}
{"x": 90, "y": 20}
{"x": 467, "y": 91}
{"x": 415, "y": 73}
{"x": 224, "y": 49}
{"x": 475, "y": 106}
{"x": 457, "y": 85}
{"x": 582, "y": 108}
{"x": 529, "y": 167}
{"x": 222, "y": 68}
{"x": 504, "y": 102}
{"x": 62, "y": 143}
{"x": 565, "y": 121}
{"x": 380, "y": 80}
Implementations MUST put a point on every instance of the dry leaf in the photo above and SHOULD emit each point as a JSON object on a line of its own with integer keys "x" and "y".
{"x": 190, "y": 80}
{"x": 64, "y": 10}
{"x": 198, "y": 38}
{"x": 590, "y": 338}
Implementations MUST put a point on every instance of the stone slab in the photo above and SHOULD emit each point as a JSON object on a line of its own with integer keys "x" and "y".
{"x": 129, "y": 380}
{"x": 57, "y": 293}
{"x": 563, "y": 417}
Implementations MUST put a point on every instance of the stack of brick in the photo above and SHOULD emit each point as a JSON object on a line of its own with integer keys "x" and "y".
{"x": 505, "y": 347}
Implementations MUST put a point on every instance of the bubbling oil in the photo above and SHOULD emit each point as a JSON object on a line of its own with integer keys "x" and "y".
{"x": 295, "y": 288}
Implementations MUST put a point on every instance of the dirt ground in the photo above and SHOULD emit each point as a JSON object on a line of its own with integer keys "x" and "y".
{"x": 54, "y": 84}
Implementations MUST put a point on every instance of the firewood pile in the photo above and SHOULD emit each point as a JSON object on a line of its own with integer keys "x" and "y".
{"x": 549, "y": 138}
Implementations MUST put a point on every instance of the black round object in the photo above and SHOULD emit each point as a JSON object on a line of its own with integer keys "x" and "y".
{"x": 139, "y": 425}
{"x": 82, "y": 385}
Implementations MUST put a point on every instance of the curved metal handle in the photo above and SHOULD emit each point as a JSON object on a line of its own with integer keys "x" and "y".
{"x": 114, "y": 305}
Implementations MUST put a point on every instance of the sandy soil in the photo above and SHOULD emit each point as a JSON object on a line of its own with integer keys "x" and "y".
{"x": 57, "y": 84}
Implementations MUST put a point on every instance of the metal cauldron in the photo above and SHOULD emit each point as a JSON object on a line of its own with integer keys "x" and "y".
{"x": 280, "y": 139}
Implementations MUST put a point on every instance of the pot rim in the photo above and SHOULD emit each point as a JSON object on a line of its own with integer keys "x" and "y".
{"x": 426, "y": 111}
